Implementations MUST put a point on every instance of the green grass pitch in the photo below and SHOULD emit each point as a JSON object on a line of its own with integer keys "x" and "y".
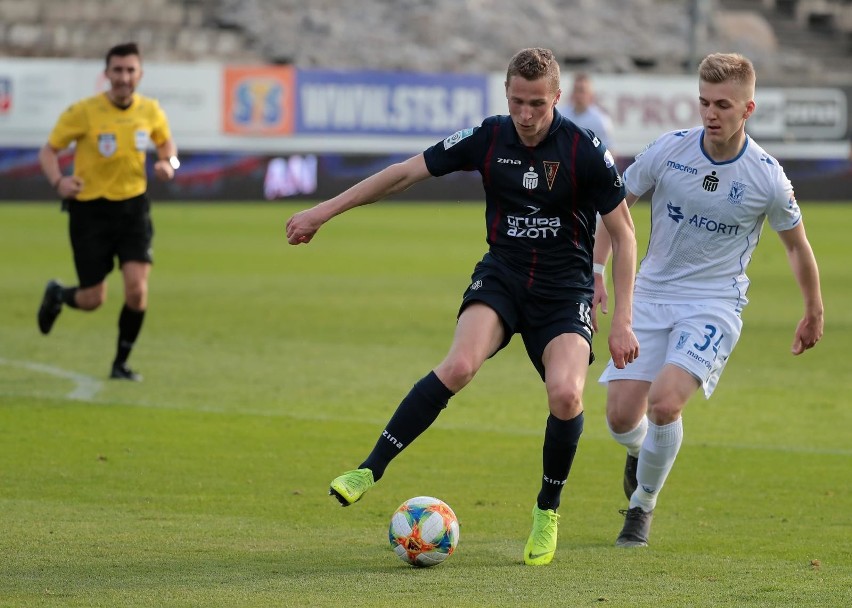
{"x": 270, "y": 369}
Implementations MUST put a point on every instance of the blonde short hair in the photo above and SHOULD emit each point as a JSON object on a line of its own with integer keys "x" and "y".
{"x": 722, "y": 67}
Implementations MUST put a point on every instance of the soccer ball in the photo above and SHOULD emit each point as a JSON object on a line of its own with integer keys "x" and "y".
{"x": 424, "y": 531}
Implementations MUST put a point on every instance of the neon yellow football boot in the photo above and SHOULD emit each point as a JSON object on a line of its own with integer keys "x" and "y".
{"x": 350, "y": 487}
{"x": 542, "y": 541}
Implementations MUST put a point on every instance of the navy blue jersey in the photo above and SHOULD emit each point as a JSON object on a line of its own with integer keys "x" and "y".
{"x": 540, "y": 202}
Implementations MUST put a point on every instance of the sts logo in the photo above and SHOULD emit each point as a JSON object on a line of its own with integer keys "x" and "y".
{"x": 258, "y": 100}
{"x": 257, "y": 103}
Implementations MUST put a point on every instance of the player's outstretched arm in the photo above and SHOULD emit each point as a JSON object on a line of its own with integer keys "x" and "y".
{"x": 805, "y": 270}
{"x": 302, "y": 226}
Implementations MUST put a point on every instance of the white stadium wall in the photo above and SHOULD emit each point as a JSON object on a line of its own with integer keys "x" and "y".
{"x": 281, "y": 112}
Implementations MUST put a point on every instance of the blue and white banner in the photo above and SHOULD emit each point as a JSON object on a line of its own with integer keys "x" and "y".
{"x": 388, "y": 103}
{"x": 372, "y": 112}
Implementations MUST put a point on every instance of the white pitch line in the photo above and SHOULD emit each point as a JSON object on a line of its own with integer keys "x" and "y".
{"x": 86, "y": 386}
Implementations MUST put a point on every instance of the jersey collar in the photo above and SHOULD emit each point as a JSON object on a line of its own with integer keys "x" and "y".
{"x": 724, "y": 162}
{"x": 133, "y": 101}
{"x": 511, "y": 138}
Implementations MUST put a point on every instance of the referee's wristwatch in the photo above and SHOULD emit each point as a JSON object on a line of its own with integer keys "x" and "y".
{"x": 174, "y": 162}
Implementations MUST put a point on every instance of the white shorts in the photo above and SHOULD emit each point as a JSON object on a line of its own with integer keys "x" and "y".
{"x": 698, "y": 338}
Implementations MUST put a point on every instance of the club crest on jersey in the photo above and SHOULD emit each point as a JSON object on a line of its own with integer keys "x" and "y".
{"x": 681, "y": 341}
{"x": 456, "y": 137}
{"x": 550, "y": 169}
{"x": 107, "y": 144}
{"x": 531, "y": 179}
{"x": 608, "y": 159}
{"x": 737, "y": 193}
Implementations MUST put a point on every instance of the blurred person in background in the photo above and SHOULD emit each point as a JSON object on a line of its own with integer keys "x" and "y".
{"x": 584, "y": 112}
{"x": 105, "y": 197}
{"x": 544, "y": 180}
{"x": 714, "y": 187}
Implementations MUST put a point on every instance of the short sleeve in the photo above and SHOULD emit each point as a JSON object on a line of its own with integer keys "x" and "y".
{"x": 160, "y": 131}
{"x": 783, "y": 212}
{"x": 71, "y": 126}
{"x": 461, "y": 151}
{"x": 641, "y": 176}
{"x": 605, "y": 184}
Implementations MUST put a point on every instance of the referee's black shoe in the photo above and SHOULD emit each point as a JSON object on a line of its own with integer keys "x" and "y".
{"x": 120, "y": 371}
{"x": 51, "y": 306}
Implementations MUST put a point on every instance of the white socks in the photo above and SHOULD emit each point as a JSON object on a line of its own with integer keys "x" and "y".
{"x": 657, "y": 457}
{"x": 632, "y": 440}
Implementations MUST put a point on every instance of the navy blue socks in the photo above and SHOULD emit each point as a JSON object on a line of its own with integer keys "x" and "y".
{"x": 415, "y": 414}
{"x": 560, "y": 445}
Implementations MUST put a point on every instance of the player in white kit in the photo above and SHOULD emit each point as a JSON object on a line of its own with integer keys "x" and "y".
{"x": 713, "y": 189}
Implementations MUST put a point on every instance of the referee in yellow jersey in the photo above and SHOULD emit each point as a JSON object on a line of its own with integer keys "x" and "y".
{"x": 106, "y": 200}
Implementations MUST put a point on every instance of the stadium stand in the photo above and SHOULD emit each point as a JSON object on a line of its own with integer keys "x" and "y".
{"x": 166, "y": 29}
{"x": 820, "y": 31}
{"x": 797, "y": 41}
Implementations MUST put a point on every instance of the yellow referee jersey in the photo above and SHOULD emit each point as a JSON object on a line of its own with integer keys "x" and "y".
{"x": 111, "y": 144}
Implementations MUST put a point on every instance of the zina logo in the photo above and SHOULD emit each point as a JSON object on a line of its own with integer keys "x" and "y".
{"x": 553, "y": 482}
{"x": 396, "y": 442}
{"x": 711, "y": 182}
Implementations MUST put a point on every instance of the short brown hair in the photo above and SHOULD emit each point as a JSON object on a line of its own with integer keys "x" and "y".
{"x": 721, "y": 67}
{"x": 533, "y": 64}
{"x": 123, "y": 50}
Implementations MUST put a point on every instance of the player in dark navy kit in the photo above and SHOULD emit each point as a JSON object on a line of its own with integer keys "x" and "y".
{"x": 545, "y": 180}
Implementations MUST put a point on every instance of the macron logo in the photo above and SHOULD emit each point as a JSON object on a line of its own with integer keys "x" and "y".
{"x": 674, "y": 212}
{"x": 680, "y": 167}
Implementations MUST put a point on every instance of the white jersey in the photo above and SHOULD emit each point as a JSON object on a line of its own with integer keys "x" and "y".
{"x": 706, "y": 217}
{"x": 594, "y": 119}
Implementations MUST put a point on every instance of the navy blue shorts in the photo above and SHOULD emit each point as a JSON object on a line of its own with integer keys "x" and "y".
{"x": 102, "y": 230}
{"x": 538, "y": 319}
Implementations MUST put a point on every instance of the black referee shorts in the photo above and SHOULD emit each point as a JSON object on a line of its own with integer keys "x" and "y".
{"x": 102, "y": 230}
